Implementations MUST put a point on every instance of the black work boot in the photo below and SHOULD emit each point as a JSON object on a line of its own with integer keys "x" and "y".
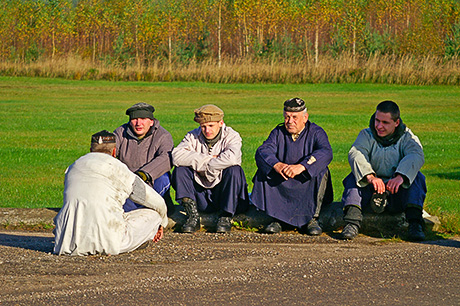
{"x": 273, "y": 228}
{"x": 415, "y": 219}
{"x": 193, "y": 219}
{"x": 353, "y": 217}
{"x": 415, "y": 232}
{"x": 224, "y": 224}
{"x": 313, "y": 228}
{"x": 350, "y": 231}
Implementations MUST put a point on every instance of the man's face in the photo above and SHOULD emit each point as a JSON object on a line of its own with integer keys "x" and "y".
{"x": 384, "y": 124}
{"x": 141, "y": 126}
{"x": 295, "y": 121}
{"x": 211, "y": 129}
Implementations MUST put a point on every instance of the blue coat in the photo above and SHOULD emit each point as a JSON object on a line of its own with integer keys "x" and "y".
{"x": 292, "y": 201}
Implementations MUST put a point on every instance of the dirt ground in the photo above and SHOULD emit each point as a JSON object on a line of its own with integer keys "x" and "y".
{"x": 240, "y": 268}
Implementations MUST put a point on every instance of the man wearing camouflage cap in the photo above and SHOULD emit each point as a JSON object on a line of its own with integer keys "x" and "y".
{"x": 145, "y": 147}
{"x": 92, "y": 220}
{"x": 293, "y": 180}
{"x": 208, "y": 175}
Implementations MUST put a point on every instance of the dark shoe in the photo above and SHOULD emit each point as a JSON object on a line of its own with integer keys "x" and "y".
{"x": 415, "y": 232}
{"x": 193, "y": 221}
{"x": 313, "y": 228}
{"x": 379, "y": 202}
{"x": 224, "y": 225}
{"x": 273, "y": 228}
{"x": 350, "y": 231}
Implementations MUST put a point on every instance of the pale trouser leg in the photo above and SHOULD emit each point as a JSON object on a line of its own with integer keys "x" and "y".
{"x": 141, "y": 225}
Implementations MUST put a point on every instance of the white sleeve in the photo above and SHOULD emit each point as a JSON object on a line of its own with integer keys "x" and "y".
{"x": 186, "y": 155}
{"x": 145, "y": 195}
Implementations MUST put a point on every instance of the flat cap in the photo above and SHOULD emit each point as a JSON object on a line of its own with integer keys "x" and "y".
{"x": 103, "y": 136}
{"x": 140, "y": 110}
{"x": 208, "y": 113}
{"x": 294, "y": 105}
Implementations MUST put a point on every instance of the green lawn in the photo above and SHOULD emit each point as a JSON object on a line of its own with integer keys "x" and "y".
{"x": 46, "y": 124}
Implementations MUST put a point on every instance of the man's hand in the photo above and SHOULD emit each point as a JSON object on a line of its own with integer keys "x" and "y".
{"x": 279, "y": 167}
{"x": 394, "y": 183}
{"x": 288, "y": 171}
{"x": 379, "y": 185}
{"x": 159, "y": 234}
{"x": 293, "y": 170}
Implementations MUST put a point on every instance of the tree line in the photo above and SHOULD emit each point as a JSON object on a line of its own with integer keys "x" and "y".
{"x": 142, "y": 32}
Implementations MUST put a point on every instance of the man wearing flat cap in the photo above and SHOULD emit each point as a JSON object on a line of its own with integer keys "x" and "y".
{"x": 92, "y": 220}
{"x": 292, "y": 179}
{"x": 145, "y": 147}
{"x": 208, "y": 176}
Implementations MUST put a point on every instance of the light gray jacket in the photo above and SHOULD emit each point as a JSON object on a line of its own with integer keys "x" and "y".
{"x": 367, "y": 156}
{"x": 193, "y": 152}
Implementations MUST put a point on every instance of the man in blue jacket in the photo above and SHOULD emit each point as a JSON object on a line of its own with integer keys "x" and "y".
{"x": 293, "y": 179}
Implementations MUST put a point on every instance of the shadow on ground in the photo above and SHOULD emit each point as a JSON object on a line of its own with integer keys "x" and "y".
{"x": 35, "y": 243}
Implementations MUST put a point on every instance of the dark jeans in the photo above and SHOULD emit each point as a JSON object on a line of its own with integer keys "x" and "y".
{"x": 398, "y": 202}
{"x": 230, "y": 195}
{"x": 160, "y": 185}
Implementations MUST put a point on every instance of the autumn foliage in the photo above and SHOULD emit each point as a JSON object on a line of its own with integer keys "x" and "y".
{"x": 168, "y": 35}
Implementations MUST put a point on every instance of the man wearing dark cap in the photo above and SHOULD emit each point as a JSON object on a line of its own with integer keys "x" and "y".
{"x": 208, "y": 176}
{"x": 145, "y": 147}
{"x": 92, "y": 220}
{"x": 385, "y": 162}
{"x": 293, "y": 180}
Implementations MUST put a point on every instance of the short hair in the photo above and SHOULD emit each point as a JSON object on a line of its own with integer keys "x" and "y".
{"x": 103, "y": 147}
{"x": 304, "y": 112}
{"x": 103, "y": 142}
{"x": 389, "y": 107}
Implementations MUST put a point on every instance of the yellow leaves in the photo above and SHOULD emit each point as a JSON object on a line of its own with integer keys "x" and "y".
{"x": 104, "y": 26}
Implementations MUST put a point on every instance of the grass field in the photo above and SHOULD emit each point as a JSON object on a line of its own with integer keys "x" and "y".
{"x": 46, "y": 124}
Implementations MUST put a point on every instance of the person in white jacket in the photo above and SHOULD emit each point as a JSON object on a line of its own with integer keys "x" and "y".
{"x": 208, "y": 176}
{"x": 92, "y": 219}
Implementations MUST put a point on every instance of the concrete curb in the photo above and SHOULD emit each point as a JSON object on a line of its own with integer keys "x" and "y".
{"x": 330, "y": 219}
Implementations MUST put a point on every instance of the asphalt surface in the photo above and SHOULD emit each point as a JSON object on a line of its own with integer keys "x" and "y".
{"x": 240, "y": 268}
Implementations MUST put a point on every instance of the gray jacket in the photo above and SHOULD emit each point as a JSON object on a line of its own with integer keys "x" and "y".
{"x": 367, "y": 156}
{"x": 151, "y": 154}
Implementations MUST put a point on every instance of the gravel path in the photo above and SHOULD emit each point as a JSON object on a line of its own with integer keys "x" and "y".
{"x": 240, "y": 268}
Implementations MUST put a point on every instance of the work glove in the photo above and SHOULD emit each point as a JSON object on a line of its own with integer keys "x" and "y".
{"x": 144, "y": 176}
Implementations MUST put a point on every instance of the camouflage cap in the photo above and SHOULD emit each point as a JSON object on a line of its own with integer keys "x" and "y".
{"x": 208, "y": 113}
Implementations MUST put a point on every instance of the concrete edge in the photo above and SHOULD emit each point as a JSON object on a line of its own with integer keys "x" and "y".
{"x": 330, "y": 219}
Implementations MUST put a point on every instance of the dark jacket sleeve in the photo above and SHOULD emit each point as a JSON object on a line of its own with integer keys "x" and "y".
{"x": 321, "y": 153}
{"x": 266, "y": 154}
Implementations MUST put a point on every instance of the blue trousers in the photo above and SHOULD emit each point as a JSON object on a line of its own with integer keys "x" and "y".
{"x": 398, "y": 202}
{"x": 161, "y": 185}
{"x": 230, "y": 195}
